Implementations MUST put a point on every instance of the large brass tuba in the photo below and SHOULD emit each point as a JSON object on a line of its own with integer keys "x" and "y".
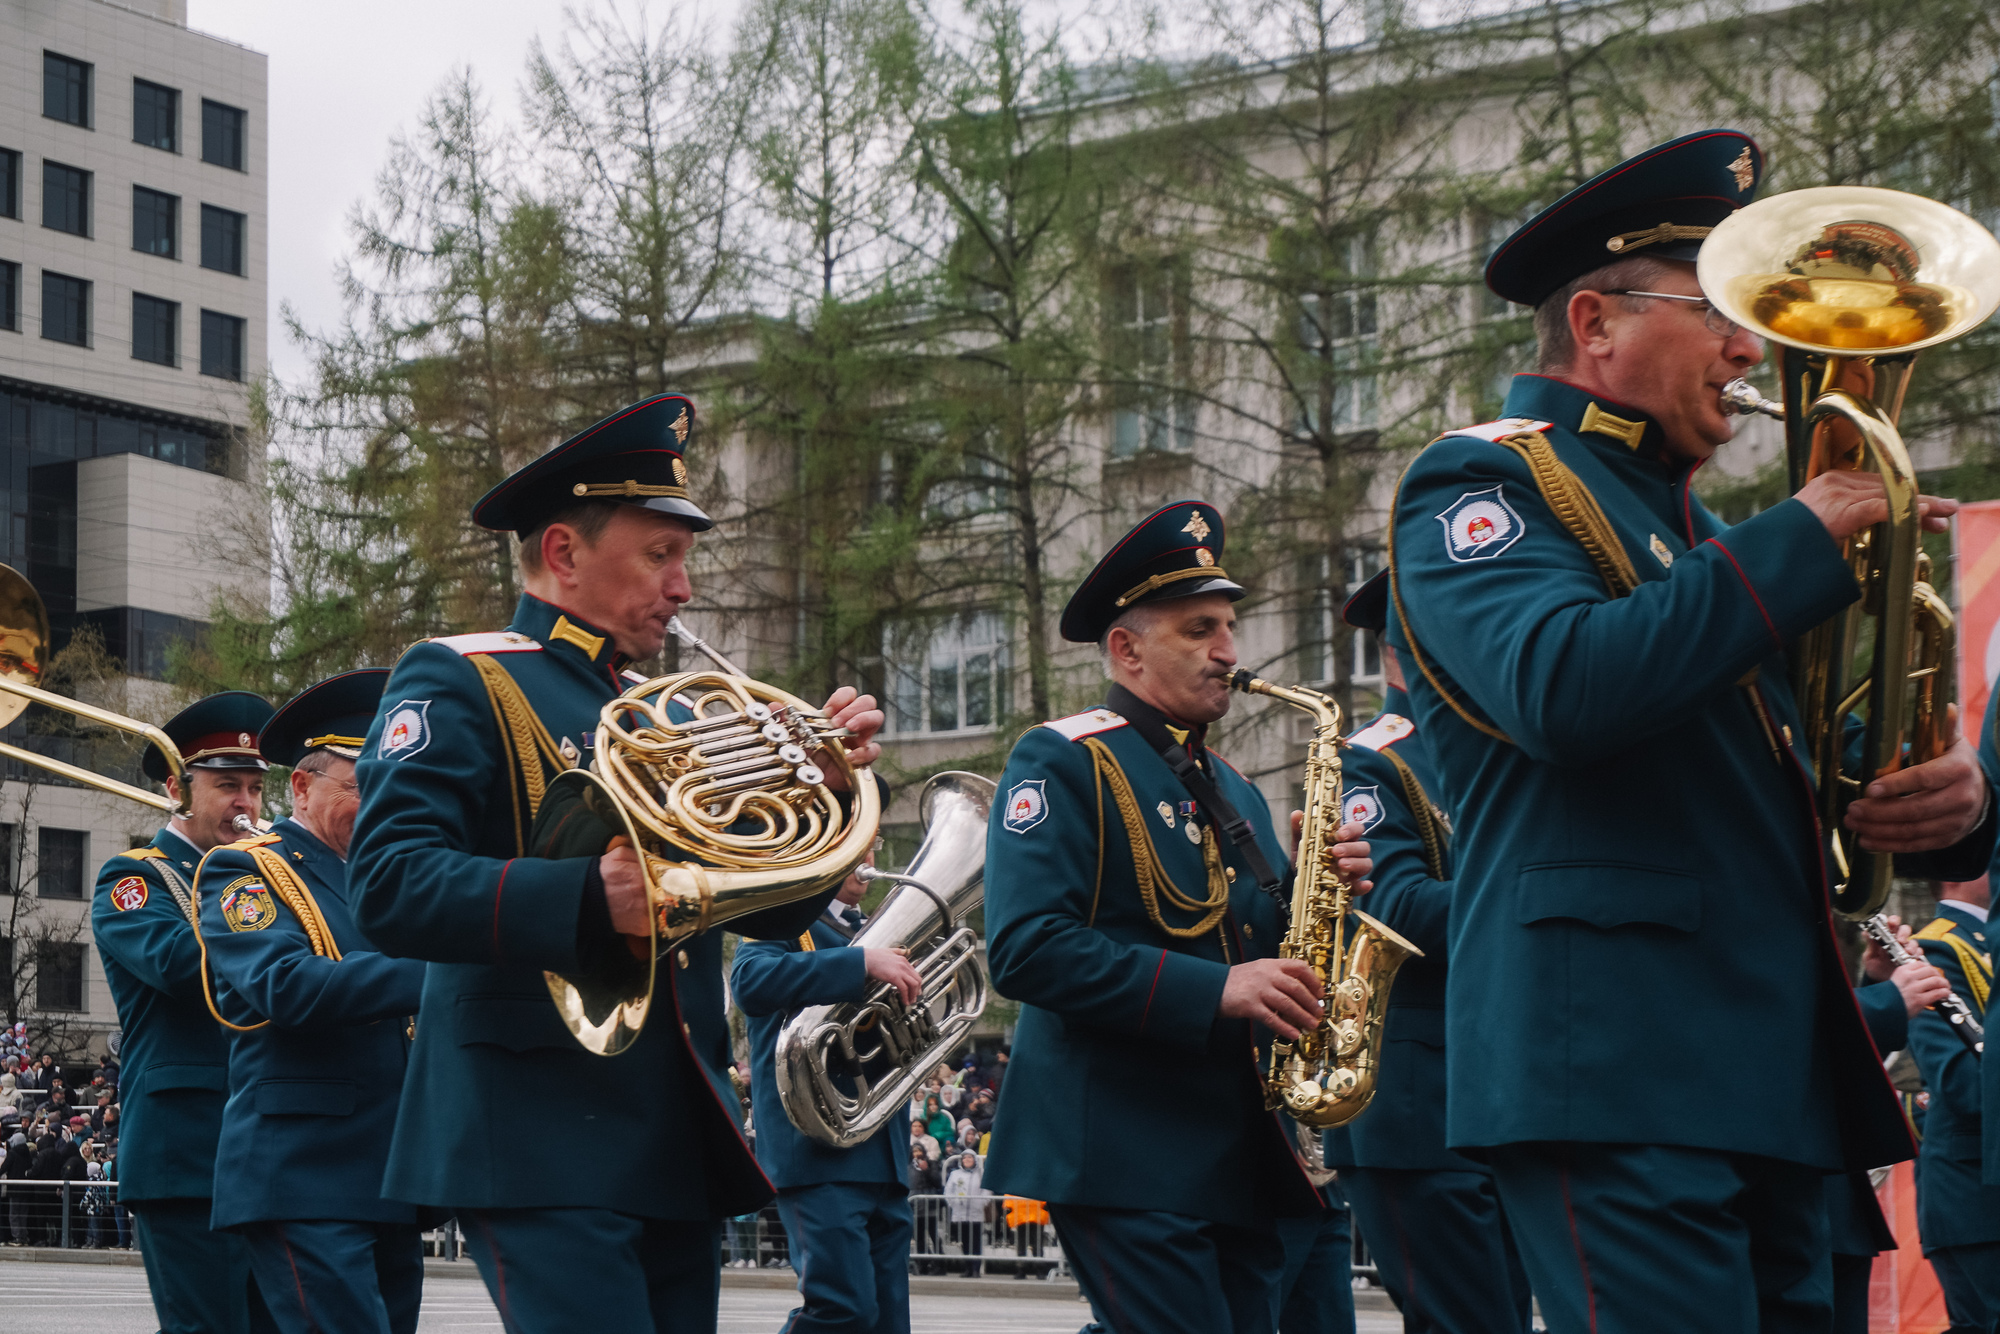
{"x": 844, "y": 1070}
{"x": 1326, "y": 1076}
{"x": 24, "y": 658}
{"x": 730, "y": 812}
{"x": 1852, "y": 282}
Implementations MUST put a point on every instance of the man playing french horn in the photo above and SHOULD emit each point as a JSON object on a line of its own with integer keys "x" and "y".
{"x": 1650, "y": 1035}
{"x": 1135, "y": 927}
{"x": 471, "y": 733}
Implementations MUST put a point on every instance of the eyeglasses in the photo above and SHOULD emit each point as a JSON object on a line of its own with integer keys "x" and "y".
{"x": 1716, "y": 322}
{"x": 347, "y": 783}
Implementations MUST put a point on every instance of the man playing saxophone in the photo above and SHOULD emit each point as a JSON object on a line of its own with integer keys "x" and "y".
{"x": 846, "y": 1211}
{"x": 471, "y": 731}
{"x": 1136, "y": 930}
{"x": 1649, "y": 1033}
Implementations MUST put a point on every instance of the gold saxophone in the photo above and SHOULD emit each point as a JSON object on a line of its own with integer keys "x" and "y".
{"x": 1326, "y": 1076}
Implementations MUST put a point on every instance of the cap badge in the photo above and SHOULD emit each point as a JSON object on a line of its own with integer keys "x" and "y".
{"x": 1202, "y": 556}
{"x": 1744, "y": 172}
{"x": 680, "y": 472}
{"x": 1198, "y": 526}
{"x": 242, "y": 738}
{"x": 681, "y": 427}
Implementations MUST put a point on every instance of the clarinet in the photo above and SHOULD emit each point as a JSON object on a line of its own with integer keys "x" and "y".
{"x": 1963, "y": 1021}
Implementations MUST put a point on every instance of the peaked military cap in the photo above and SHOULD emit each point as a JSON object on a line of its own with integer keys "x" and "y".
{"x": 634, "y": 456}
{"x": 219, "y": 732}
{"x": 334, "y": 715}
{"x": 1661, "y": 203}
{"x": 1175, "y": 552}
{"x": 1368, "y": 607}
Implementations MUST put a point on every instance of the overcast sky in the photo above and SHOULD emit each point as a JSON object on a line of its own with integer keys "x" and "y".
{"x": 345, "y": 78}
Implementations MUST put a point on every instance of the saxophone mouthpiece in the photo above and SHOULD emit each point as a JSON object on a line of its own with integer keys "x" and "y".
{"x": 1241, "y": 680}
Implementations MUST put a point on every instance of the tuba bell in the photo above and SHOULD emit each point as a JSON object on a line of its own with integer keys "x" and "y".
{"x": 730, "y": 812}
{"x": 844, "y": 1070}
{"x": 1852, "y": 282}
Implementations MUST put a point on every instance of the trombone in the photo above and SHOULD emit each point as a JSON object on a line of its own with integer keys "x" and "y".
{"x": 24, "y": 658}
{"x": 1852, "y": 282}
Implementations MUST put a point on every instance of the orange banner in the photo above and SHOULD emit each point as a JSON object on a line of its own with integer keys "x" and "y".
{"x": 1976, "y": 547}
{"x": 1903, "y": 1293}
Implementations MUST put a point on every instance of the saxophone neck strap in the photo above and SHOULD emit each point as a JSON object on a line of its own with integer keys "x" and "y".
{"x": 1146, "y": 722}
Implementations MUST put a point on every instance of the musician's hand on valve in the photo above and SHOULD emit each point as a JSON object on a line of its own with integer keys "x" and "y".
{"x": 893, "y": 966}
{"x": 1922, "y": 986}
{"x": 1281, "y": 994}
{"x": 625, "y": 894}
{"x": 1352, "y": 857}
{"x": 1926, "y": 806}
{"x": 849, "y": 708}
{"x": 1847, "y": 502}
{"x": 1876, "y": 965}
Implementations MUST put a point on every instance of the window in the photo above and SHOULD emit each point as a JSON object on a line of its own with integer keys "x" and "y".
{"x": 7, "y": 866}
{"x": 59, "y": 856}
{"x": 156, "y": 116}
{"x": 221, "y": 135}
{"x": 65, "y": 309}
{"x": 946, "y": 678}
{"x": 58, "y": 976}
{"x": 10, "y": 183}
{"x": 155, "y": 329}
{"x": 1148, "y": 346}
{"x": 975, "y": 490}
{"x": 65, "y": 198}
{"x": 65, "y": 89}
{"x": 221, "y": 239}
{"x": 156, "y": 222}
{"x": 1337, "y": 335}
{"x": 1321, "y": 634}
{"x": 10, "y": 296}
{"x": 221, "y": 345}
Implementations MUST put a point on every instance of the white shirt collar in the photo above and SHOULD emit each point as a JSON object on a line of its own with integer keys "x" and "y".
{"x": 1969, "y": 909}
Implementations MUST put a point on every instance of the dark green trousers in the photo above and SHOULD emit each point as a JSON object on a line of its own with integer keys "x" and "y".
{"x": 200, "y": 1279}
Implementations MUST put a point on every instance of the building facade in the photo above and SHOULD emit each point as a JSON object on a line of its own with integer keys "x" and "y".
{"x": 132, "y": 323}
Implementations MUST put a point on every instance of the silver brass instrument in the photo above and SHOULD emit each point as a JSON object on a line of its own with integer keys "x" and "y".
{"x": 24, "y": 658}
{"x": 1852, "y": 282}
{"x": 1326, "y": 1076}
{"x": 731, "y": 813}
{"x": 844, "y": 1070}
{"x": 1964, "y": 1023}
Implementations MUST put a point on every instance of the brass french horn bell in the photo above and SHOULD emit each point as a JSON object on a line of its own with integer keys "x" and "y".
{"x": 24, "y": 660}
{"x": 1852, "y": 282}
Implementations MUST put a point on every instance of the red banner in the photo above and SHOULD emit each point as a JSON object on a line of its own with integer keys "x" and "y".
{"x": 1903, "y": 1293}
{"x": 1976, "y": 547}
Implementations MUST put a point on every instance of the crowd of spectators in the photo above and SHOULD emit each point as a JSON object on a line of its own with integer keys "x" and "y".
{"x": 58, "y": 1125}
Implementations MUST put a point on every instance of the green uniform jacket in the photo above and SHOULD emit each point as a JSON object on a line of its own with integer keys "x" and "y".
{"x": 436, "y": 876}
{"x": 1953, "y": 1207}
{"x": 1640, "y": 939}
{"x": 1126, "y": 1089}
{"x": 175, "y": 1056}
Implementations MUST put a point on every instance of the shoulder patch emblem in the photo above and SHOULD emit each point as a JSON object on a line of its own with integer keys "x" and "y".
{"x": 1080, "y": 725}
{"x": 1479, "y": 525}
{"x": 247, "y": 905}
{"x": 129, "y": 893}
{"x": 1026, "y": 805}
{"x": 492, "y": 641}
{"x": 1386, "y": 730}
{"x": 1362, "y": 806}
{"x": 407, "y": 731}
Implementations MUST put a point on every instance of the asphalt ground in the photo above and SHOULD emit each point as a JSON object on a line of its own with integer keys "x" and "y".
{"x": 45, "y": 1298}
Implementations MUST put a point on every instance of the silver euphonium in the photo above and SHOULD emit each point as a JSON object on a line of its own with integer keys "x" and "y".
{"x": 844, "y": 1070}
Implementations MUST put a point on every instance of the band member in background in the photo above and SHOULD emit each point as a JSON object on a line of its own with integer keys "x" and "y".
{"x": 1135, "y": 933}
{"x": 846, "y": 1211}
{"x": 319, "y": 1037}
{"x": 1647, "y": 1017}
{"x": 176, "y": 1059}
{"x": 469, "y": 730}
{"x": 1432, "y": 1218}
{"x": 1958, "y": 1216}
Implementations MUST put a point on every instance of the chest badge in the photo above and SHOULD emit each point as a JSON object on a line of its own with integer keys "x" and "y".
{"x": 1167, "y": 813}
{"x": 1660, "y": 552}
{"x": 1027, "y": 806}
{"x": 1362, "y": 806}
{"x": 1479, "y": 525}
{"x": 571, "y": 755}
{"x": 407, "y": 730}
{"x": 1193, "y": 832}
{"x": 247, "y": 905}
{"x": 129, "y": 893}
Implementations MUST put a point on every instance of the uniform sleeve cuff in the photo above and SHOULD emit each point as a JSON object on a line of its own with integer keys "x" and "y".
{"x": 539, "y": 912}
{"x": 1183, "y": 999}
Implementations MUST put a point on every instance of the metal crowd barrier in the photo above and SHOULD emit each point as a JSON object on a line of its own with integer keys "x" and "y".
{"x": 70, "y": 1215}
